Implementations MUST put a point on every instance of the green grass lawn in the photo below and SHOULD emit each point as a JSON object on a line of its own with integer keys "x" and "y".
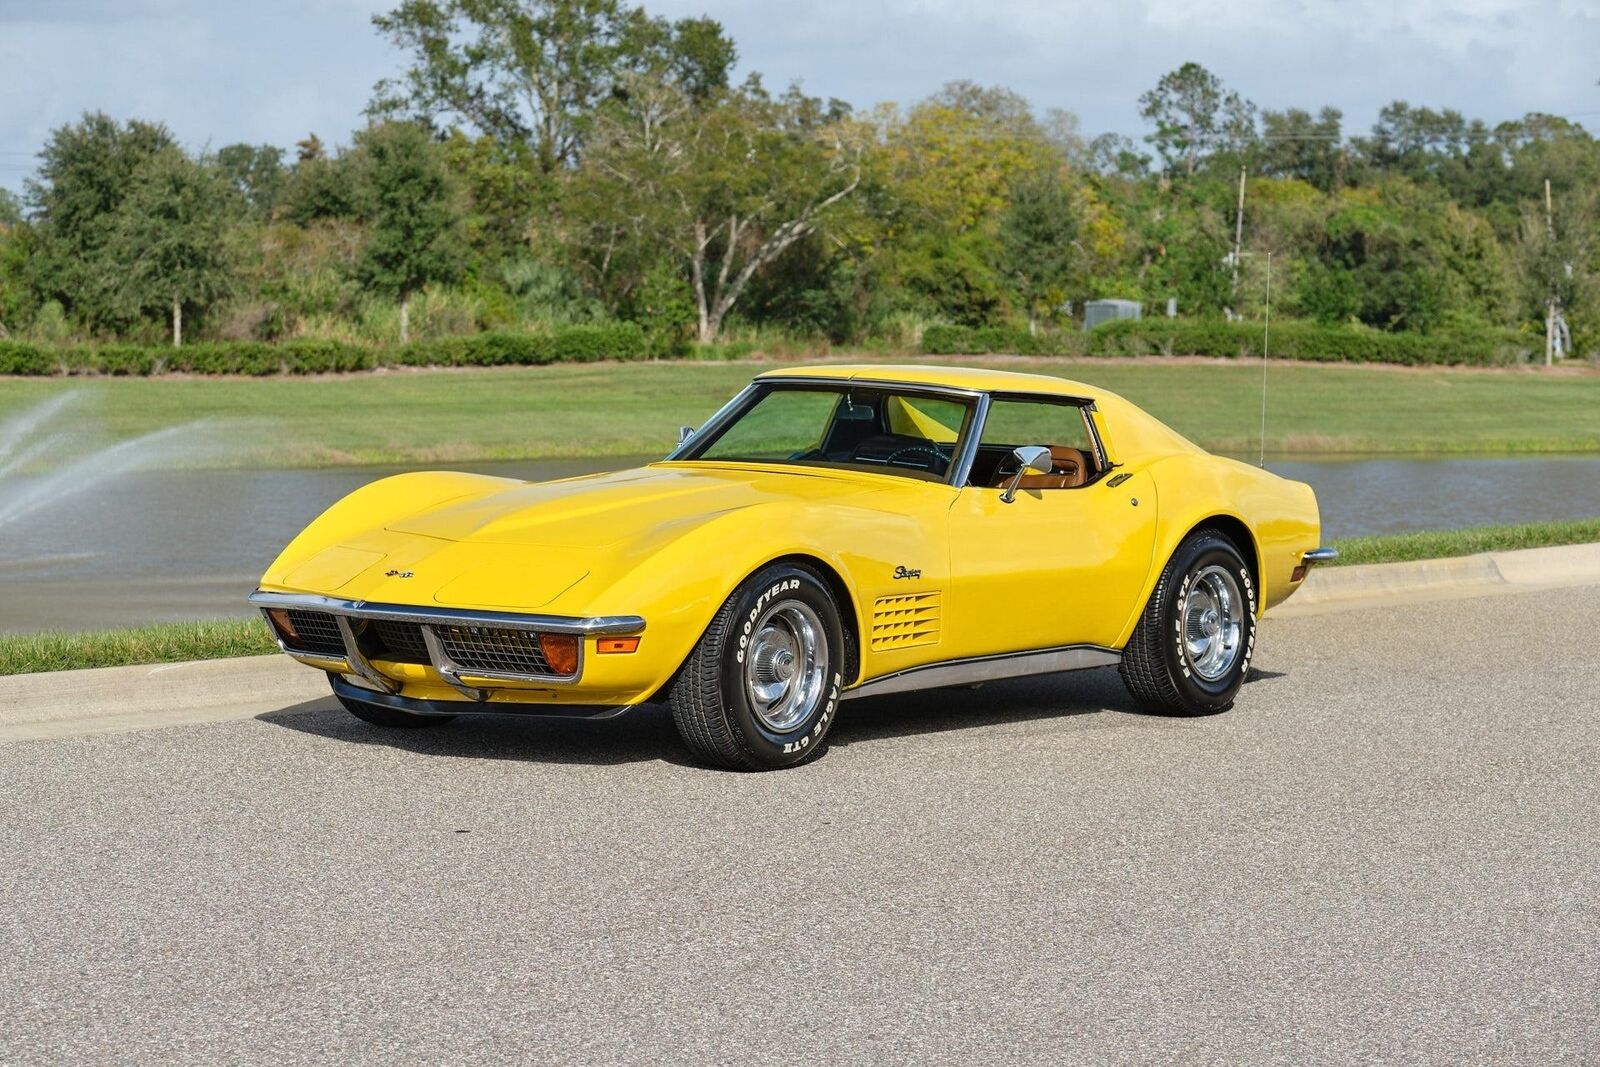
{"x": 441, "y": 416}
{"x": 1438, "y": 544}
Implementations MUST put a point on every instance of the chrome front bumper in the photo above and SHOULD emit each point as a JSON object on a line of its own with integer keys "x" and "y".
{"x": 428, "y": 619}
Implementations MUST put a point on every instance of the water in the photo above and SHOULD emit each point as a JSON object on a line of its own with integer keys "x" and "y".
{"x": 145, "y": 545}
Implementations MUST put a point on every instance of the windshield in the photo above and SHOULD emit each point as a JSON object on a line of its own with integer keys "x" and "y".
{"x": 842, "y": 425}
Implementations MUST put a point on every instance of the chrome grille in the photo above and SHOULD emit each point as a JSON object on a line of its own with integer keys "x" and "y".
{"x": 317, "y": 631}
{"x": 398, "y": 642}
{"x": 487, "y": 648}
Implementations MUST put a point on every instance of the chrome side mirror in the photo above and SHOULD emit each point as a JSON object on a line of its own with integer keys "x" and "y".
{"x": 684, "y": 433}
{"x": 1035, "y": 458}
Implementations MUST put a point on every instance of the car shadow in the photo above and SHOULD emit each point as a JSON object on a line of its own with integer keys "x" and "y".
{"x": 647, "y": 734}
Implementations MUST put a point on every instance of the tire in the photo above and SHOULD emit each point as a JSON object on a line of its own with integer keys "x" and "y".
{"x": 393, "y": 718}
{"x": 750, "y": 697}
{"x": 1180, "y": 659}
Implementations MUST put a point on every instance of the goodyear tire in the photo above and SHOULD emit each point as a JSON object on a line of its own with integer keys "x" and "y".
{"x": 1191, "y": 649}
{"x": 393, "y": 718}
{"x": 761, "y": 688}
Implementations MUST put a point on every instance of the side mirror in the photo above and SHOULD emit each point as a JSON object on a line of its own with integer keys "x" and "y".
{"x": 1035, "y": 458}
{"x": 684, "y": 433}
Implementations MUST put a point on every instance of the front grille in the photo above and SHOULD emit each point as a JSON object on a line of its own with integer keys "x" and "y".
{"x": 317, "y": 632}
{"x": 487, "y": 648}
{"x": 398, "y": 642}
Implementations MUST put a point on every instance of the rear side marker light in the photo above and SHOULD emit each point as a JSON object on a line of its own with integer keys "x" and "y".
{"x": 284, "y": 625}
{"x": 1299, "y": 573}
{"x": 611, "y": 645}
{"x": 561, "y": 652}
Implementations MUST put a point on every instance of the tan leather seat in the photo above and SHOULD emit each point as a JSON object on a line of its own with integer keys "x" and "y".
{"x": 1069, "y": 468}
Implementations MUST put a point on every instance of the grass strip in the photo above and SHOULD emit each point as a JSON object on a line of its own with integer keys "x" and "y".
{"x": 162, "y": 643}
{"x": 1441, "y": 544}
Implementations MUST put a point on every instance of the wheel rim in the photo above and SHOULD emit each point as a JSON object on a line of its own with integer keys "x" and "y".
{"x": 784, "y": 665}
{"x": 1213, "y": 623}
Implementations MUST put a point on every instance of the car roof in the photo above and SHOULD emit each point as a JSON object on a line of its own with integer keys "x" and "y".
{"x": 990, "y": 381}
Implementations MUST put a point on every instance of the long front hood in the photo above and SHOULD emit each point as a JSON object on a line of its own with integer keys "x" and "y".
{"x": 521, "y": 546}
{"x": 602, "y": 510}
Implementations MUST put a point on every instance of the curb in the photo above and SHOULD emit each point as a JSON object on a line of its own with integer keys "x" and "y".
{"x": 1518, "y": 571}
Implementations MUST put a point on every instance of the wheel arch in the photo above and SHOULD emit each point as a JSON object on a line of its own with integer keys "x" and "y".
{"x": 1237, "y": 531}
{"x": 849, "y": 615}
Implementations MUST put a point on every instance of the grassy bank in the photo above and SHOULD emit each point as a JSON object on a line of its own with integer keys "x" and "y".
{"x": 444, "y": 416}
{"x": 168, "y": 643}
{"x": 1440, "y": 544}
{"x": 29, "y": 653}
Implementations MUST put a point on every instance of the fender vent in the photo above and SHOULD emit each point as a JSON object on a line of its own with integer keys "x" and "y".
{"x": 905, "y": 621}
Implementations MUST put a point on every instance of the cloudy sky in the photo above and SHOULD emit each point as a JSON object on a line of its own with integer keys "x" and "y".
{"x": 219, "y": 71}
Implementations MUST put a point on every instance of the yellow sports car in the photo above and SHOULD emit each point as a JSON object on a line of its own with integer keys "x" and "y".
{"x": 831, "y": 533}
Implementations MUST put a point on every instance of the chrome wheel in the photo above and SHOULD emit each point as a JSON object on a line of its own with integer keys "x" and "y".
{"x": 1213, "y": 623}
{"x": 785, "y": 664}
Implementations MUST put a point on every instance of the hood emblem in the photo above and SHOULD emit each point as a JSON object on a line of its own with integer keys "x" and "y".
{"x": 397, "y": 574}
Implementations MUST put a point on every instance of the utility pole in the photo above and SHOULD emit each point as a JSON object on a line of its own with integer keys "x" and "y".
{"x": 1550, "y": 302}
{"x": 1238, "y": 240}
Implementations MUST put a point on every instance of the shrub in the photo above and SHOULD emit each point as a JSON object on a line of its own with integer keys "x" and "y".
{"x": 1289, "y": 339}
{"x": 20, "y": 357}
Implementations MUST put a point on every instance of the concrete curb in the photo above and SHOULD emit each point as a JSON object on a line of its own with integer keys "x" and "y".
{"x": 1344, "y": 588}
{"x": 116, "y": 699}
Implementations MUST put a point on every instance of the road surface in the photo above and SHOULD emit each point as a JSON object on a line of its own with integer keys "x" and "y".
{"x": 1386, "y": 852}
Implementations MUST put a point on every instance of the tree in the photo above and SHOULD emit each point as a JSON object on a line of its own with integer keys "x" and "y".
{"x": 86, "y": 170}
{"x": 1296, "y": 145}
{"x": 533, "y": 72}
{"x": 1194, "y": 114}
{"x": 170, "y": 237}
{"x": 728, "y": 186}
{"x": 10, "y": 210}
{"x": 407, "y": 195}
{"x": 1038, "y": 241}
{"x": 256, "y": 173}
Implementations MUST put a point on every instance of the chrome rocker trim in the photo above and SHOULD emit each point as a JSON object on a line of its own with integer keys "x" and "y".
{"x": 355, "y": 661}
{"x": 988, "y": 669}
{"x": 1320, "y": 555}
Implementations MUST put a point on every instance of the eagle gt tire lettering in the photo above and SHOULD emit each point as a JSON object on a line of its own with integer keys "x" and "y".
{"x": 762, "y": 686}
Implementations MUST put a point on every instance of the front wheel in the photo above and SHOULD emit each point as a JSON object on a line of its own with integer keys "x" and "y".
{"x": 760, "y": 689}
{"x": 1191, "y": 649}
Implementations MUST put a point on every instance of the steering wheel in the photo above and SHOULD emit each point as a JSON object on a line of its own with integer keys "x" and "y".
{"x": 938, "y": 466}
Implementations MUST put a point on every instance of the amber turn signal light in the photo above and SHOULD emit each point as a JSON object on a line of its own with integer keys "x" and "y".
{"x": 284, "y": 625}
{"x": 561, "y": 652}
{"x": 617, "y": 644}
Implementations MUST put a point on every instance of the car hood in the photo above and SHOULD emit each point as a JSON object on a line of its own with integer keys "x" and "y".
{"x": 602, "y": 510}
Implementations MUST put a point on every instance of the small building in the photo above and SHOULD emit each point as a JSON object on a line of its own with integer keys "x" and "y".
{"x": 1097, "y": 311}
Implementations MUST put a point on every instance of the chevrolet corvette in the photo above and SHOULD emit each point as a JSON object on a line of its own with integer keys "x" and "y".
{"x": 831, "y": 533}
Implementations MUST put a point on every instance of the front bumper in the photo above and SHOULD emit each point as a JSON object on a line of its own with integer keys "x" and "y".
{"x": 474, "y": 682}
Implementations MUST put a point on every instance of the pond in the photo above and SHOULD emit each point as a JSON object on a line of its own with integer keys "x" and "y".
{"x": 171, "y": 545}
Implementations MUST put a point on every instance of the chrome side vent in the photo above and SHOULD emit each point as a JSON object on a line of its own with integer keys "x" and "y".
{"x": 905, "y": 621}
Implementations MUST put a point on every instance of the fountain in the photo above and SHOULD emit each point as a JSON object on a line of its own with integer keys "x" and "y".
{"x": 32, "y": 439}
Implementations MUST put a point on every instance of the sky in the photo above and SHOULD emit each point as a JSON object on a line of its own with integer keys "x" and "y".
{"x": 221, "y": 71}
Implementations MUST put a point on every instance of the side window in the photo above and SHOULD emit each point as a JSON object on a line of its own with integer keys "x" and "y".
{"x": 1058, "y": 427}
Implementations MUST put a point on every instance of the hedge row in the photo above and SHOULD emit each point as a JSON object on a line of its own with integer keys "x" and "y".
{"x": 572, "y": 344}
{"x": 1232, "y": 340}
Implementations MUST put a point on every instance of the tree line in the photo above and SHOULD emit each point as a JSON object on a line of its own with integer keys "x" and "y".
{"x": 541, "y": 163}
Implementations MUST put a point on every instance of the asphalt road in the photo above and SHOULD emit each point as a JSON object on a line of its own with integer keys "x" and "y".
{"x": 1389, "y": 851}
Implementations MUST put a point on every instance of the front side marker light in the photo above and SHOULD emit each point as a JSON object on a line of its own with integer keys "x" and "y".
{"x": 615, "y": 645}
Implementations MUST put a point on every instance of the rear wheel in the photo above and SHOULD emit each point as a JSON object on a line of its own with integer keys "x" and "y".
{"x": 1192, "y": 646}
{"x": 393, "y": 718}
{"x": 760, "y": 689}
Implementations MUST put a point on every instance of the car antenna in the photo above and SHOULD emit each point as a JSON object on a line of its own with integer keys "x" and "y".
{"x": 1266, "y": 336}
